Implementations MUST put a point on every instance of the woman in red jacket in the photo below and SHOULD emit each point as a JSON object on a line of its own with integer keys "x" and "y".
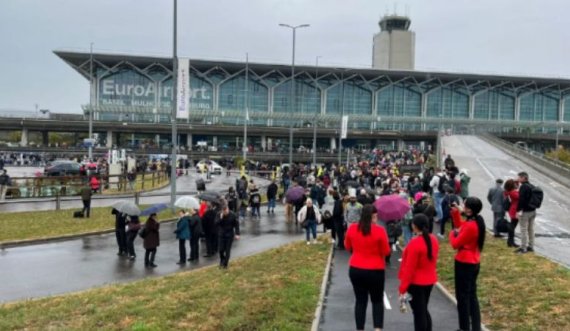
{"x": 369, "y": 245}
{"x": 468, "y": 240}
{"x": 418, "y": 271}
{"x": 511, "y": 192}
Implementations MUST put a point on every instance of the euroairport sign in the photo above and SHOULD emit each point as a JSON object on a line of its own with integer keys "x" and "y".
{"x": 132, "y": 89}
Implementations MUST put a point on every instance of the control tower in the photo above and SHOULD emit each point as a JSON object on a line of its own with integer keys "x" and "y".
{"x": 395, "y": 45}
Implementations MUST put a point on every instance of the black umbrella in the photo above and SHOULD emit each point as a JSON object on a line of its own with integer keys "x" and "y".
{"x": 210, "y": 196}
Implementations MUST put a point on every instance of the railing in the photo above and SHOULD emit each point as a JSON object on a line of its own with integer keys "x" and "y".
{"x": 62, "y": 186}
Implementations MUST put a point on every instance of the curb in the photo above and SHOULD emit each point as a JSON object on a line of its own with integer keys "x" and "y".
{"x": 30, "y": 242}
{"x": 324, "y": 286}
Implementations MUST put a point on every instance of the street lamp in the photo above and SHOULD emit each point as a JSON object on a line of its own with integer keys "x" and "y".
{"x": 90, "y": 102}
{"x": 294, "y": 29}
{"x": 343, "y": 70}
{"x": 173, "y": 113}
{"x": 316, "y": 115}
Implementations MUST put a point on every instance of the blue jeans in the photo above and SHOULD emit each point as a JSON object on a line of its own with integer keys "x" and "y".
{"x": 255, "y": 210}
{"x": 271, "y": 204}
{"x": 312, "y": 227}
{"x": 407, "y": 233}
{"x": 437, "y": 197}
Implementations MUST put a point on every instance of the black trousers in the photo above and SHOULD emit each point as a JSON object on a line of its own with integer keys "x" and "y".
{"x": 149, "y": 255}
{"x": 131, "y": 236}
{"x": 182, "y": 250}
{"x": 121, "y": 236}
{"x": 511, "y": 238}
{"x": 338, "y": 233}
{"x": 225, "y": 247}
{"x": 211, "y": 243}
{"x": 368, "y": 283}
{"x": 194, "y": 247}
{"x": 419, "y": 303}
{"x": 86, "y": 207}
{"x": 466, "y": 295}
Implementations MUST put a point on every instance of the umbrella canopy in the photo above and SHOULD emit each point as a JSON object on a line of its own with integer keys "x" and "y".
{"x": 391, "y": 207}
{"x": 119, "y": 204}
{"x": 128, "y": 207}
{"x": 187, "y": 202}
{"x": 210, "y": 196}
{"x": 295, "y": 194}
{"x": 154, "y": 209}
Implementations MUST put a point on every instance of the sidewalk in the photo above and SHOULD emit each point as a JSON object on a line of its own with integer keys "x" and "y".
{"x": 338, "y": 310}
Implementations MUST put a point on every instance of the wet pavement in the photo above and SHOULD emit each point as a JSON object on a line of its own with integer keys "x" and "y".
{"x": 56, "y": 268}
{"x": 184, "y": 184}
{"x": 338, "y": 310}
{"x": 486, "y": 163}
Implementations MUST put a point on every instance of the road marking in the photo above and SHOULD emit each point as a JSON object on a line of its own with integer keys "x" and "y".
{"x": 485, "y": 168}
{"x": 555, "y": 185}
{"x": 387, "y": 302}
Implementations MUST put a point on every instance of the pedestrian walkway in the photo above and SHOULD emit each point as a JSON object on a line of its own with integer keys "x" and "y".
{"x": 55, "y": 268}
{"x": 338, "y": 310}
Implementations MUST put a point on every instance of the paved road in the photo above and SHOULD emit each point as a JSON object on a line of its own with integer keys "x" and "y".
{"x": 338, "y": 311}
{"x": 183, "y": 184}
{"x": 487, "y": 163}
{"x": 48, "y": 269}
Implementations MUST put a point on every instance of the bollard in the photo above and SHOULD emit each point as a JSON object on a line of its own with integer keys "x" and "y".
{"x": 137, "y": 196}
{"x": 153, "y": 179}
{"x": 142, "y": 184}
{"x": 57, "y": 201}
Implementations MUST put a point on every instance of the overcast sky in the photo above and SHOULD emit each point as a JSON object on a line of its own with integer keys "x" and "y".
{"x": 529, "y": 37}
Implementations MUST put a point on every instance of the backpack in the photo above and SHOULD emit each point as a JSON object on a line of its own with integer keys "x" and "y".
{"x": 536, "y": 197}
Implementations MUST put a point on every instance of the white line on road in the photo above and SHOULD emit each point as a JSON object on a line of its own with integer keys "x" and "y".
{"x": 387, "y": 302}
{"x": 485, "y": 168}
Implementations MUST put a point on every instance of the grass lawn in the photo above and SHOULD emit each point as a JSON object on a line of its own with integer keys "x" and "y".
{"x": 49, "y": 224}
{"x": 516, "y": 292}
{"x": 274, "y": 290}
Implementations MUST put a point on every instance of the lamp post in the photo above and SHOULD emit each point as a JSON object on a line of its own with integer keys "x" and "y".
{"x": 343, "y": 70}
{"x": 90, "y": 150}
{"x": 173, "y": 113}
{"x": 316, "y": 115}
{"x": 294, "y": 29}
{"x": 244, "y": 148}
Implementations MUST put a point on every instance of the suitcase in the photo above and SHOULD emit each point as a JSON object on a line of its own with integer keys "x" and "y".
{"x": 78, "y": 214}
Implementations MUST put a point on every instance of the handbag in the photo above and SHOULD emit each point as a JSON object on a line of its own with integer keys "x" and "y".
{"x": 305, "y": 223}
{"x": 143, "y": 232}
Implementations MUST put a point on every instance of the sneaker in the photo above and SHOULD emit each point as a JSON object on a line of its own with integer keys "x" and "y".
{"x": 333, "y": 241}
{"x": 181, "y": 262}
{"x": 308, "y": 242}
{"x": 440, "y": 236}
{"x": 521, "y": 251}
{"x": 529, "y": 249}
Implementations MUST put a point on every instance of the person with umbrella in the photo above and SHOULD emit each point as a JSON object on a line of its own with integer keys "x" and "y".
{"x": 150, "y": 240}
{"x": 228, "y": 230}
{"x": 182, "y": 234}
{"x": 133, "y": 227}
{"x": 195, "y": 232}
{"x": 120, "y": 232}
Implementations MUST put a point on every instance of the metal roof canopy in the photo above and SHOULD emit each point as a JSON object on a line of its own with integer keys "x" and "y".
{"x": 77, "y": 59}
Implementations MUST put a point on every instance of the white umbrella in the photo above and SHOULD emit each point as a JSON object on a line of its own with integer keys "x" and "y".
{"x": 187, "y": 202}
{"x": 119, "y": 204}
{"x": 129, "y": 208}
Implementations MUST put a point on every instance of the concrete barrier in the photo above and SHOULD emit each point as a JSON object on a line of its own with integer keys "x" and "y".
{"x": 556, "y": 170}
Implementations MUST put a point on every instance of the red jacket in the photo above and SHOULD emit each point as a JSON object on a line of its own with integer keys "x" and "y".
{"x": 514, "y": 196}
{"x": 466, "y": 243}
{"x": 456, "y": 217}
{"x": 202, "y": 210}
{"x": 368, "y": 252}
{"x": 416, "y": 268}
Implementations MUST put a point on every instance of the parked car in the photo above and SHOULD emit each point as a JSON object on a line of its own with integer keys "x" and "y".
{"x": 213, "y": 165}
{"x": 62, "y": 168}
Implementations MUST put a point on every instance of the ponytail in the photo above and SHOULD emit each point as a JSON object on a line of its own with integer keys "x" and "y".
{"x": 422, "y": 223}
{"x": 427, "y": 239}
{"x": 482, "y": 231}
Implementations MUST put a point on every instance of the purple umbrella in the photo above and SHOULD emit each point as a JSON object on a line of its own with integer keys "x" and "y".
{"x": 391, "y": 207}
{"x": 295, "y": 194}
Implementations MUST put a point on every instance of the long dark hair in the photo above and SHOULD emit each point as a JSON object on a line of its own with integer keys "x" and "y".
{"x": 476, "y": 206}
{"x": 365, "y": 223}
{"x": 422, "y": 223}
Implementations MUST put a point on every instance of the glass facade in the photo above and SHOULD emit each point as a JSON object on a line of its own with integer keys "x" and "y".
{"x": 494, "y": 105}
{"x": 130, "y": 92}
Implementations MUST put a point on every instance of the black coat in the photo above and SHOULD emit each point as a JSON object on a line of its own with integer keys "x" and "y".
{"x": 338, "y": 212}
{"x": 272, "y": 191}
{"x": 151, "y": 240}
{"x": 228, "y": 225}
{"x": 195, "y": 225}
{"x": 120, "y": 220}
{"x": 209, "y": 222}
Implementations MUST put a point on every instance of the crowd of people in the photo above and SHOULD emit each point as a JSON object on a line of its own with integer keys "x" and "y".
{"x": 347, "y": 201}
